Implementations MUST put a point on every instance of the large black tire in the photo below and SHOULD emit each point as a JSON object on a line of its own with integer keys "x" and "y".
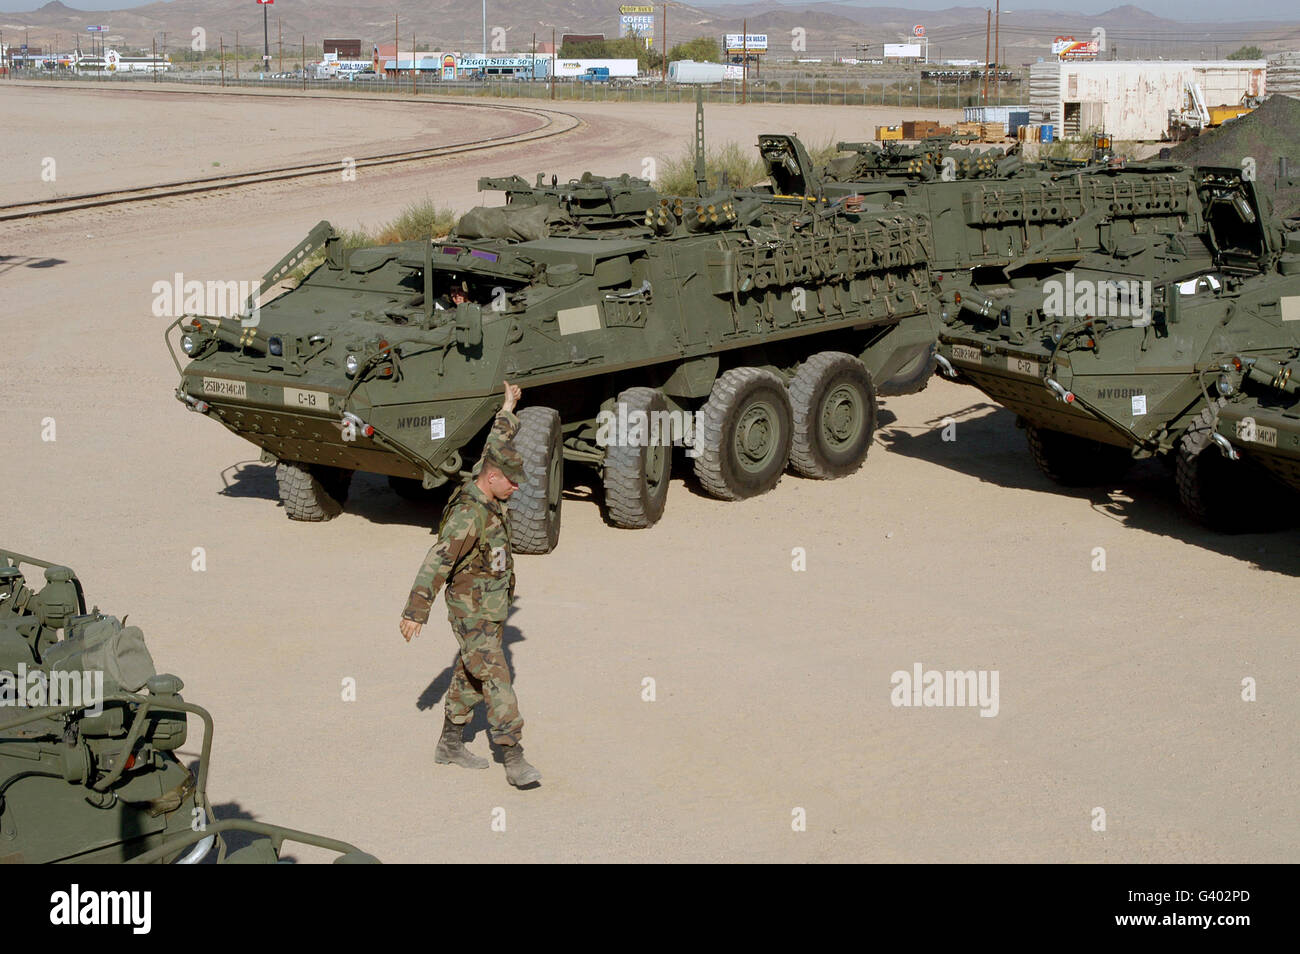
{"x": 312, "y": 492}
{"x": 913, "y": 378}
{"x": 834, "y": 403}
{"x": 636, "y": 476}
{"x": 1076, "y": 461}
{"x": 1230, "y": 496}
{"x": 745, "y": 430}
{"x": 535, "y": 506}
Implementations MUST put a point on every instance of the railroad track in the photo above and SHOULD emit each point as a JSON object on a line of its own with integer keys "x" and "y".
{"x": 554, "y": 123}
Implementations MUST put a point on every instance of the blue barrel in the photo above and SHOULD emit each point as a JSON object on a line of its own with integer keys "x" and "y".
{"x": 1047, "y": 132}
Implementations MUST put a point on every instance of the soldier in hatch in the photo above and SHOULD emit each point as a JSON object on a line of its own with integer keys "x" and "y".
{"x": 457, "y": 294}
{"x": 472, "y": 557}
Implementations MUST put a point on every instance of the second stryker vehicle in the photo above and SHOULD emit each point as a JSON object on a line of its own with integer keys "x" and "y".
{"x": 89, "y": 736}
{"x": 763, "y": 321}
{"x": 1176, "y": 343}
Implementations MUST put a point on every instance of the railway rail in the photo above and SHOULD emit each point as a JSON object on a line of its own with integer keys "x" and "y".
{"x": 554, "y": 123}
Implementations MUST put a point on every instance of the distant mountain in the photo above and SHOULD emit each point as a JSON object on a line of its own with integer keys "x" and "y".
{"x": 828, "y": 29}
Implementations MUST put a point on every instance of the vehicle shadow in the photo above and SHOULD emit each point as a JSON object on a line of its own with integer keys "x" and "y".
{"x": 990, "y": 447}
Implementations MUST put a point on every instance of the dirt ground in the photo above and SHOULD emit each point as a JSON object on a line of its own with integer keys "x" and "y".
{"x": 1120, "y": 689}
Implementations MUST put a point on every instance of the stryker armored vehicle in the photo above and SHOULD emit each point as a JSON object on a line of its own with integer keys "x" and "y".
{"x": 89, "y": 732}
{"x": 754, "y": 326}
{"x": 1132, "y": 352}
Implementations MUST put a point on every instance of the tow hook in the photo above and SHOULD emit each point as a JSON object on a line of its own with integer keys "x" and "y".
{"x": 945, "y": 365}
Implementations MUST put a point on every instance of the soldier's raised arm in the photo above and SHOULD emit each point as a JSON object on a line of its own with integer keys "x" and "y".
{"x": 504, "y": 426}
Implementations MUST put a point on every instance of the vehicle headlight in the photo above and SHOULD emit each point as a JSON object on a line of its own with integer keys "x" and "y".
{"x": 188, "y": 344}
{"x": 1224, "y": 385}
{"x": 350, "y": 364}
{"x": 275, "y": 345}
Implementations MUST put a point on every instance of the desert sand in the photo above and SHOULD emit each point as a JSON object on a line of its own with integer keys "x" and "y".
{"x": 1120, "y": 689}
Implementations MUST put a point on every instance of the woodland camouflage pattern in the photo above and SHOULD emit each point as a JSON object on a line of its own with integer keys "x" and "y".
{"x": 482, "y": 675}
{"x": 472, "y": 555}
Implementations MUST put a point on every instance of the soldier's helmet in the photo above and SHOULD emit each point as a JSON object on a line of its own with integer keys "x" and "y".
{"x": 506, "y": 459}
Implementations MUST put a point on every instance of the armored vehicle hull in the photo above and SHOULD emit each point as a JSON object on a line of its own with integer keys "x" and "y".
{"x": 88, "y": 736}
{"x": 590, "y": 295}
{"x": 1135, "y": 353}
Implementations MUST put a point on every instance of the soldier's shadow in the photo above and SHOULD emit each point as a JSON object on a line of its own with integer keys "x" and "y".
{"x": 433, "y": 694}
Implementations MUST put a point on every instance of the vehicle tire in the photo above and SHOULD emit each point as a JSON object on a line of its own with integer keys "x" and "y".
{"x": 535, "y": 506}
{"x": 913, "y": 378}
{"x": 1230, "y": 496}
{"x": 312, "y": 492}
{"x": 834, "y": 404}
{"x": 636, "y": 477}
{"x": 1076, "y": 461}
{"x": 745, "y": 430}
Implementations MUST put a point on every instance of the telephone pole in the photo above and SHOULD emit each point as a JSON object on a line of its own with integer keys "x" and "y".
{"x": 988, "y": 24}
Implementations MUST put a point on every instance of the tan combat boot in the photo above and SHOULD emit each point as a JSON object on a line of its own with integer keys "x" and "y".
{"x": 518, "y": 772}
{"x": 451, "y": 747}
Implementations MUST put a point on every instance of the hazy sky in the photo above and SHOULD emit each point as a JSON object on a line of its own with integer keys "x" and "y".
{"x": 1173, "y": 9}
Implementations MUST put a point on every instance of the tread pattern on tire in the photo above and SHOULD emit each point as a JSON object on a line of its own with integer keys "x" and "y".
{"x": 708, "y": 461}
{"x": 530, "y": 529}
{"x": 627, "y": 498}
{"x": 803, "y": 456}
{"x": 917, "y": 382}
{"x": 310, "y": 493}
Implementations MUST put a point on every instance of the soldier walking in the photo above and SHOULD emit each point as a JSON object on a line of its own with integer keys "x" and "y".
{"x": 472, "y": 557}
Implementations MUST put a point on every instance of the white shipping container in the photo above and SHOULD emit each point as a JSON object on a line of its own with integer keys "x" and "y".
{"x": 1133, "y": 100}
{"x": 689, "y": 71}
{"x": 571, "y": 68}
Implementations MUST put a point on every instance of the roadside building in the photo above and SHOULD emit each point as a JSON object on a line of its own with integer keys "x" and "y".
{"x": 1135, "y": 100}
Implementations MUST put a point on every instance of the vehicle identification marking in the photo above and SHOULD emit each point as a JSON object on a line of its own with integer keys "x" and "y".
{"x": 574, "y": 321}
{"x": 437, "y": 428}
{"x": 1251, "y": 432}
{"x": 966, "y": 353}
{"x": 318, "y": 400}
{"x": 220, "y": 387}
{"x": 1139, "y": 405}
{"x": 1023, "y": 366}
{"x": 1291, "y": 308}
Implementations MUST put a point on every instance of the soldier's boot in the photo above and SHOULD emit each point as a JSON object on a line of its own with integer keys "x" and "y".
{"x": 451, "y": 747}
{"x": 518, "y": 771}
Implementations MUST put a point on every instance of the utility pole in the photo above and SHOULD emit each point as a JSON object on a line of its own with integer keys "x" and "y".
{"x": 532, "y": 61}
{"x": 554, "y": 61}
{"x": 154, "y": 62}
{"x": 266, "y": 41}
{"x": 304, "y": 61}
{"x": 396, "y": 44}
{"x": 744, "y": 63}
{"x": 414, "y": 91}
{"x": 236, "y": 56}
{"x": 988, "y": 24}
{"x": 997, "y": 45}
{"x": 223, "y": 62}
{"x": 485, "y": 34}
{"x": 279, "y": 25}
{"x": 665, "y": 49}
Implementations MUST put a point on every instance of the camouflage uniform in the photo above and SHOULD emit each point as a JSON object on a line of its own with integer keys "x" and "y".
{"x": 472, "y": 556}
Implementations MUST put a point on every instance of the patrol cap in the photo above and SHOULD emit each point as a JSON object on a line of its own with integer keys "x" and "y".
{"x": 505, "y": 459}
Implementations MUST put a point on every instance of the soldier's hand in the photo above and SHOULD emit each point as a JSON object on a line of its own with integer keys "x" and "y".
{"x": 513, "y": 393}
{"x": 410, "y": 629}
